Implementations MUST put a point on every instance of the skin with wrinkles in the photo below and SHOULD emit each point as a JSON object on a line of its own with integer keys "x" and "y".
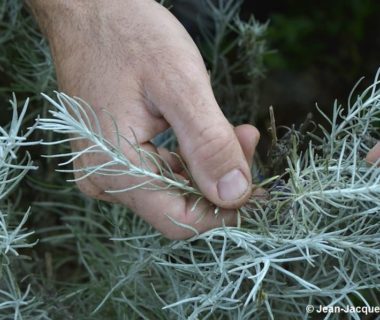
{"x": 135, "y": 60}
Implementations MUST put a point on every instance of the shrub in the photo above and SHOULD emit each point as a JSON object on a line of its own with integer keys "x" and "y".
{"x": 314, "y": 240}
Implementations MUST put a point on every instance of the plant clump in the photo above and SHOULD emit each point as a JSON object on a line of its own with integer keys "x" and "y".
{"x": 314, "y": 240}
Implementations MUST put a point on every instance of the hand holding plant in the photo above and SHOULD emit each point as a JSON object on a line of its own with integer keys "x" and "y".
{"x": 134, "y": 60}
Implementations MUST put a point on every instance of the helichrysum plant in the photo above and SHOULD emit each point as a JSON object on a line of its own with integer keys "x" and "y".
{"x": 315, "y": 240}
{"x": 17, "y": 300}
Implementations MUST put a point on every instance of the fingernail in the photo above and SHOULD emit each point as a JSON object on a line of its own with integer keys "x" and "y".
{"x": 232, "y": 186}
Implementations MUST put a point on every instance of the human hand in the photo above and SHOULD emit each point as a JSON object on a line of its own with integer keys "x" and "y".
{"x": 134, "y": 59}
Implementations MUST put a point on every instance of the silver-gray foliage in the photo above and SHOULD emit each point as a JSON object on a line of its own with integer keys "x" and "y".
{"x": 315, "y": 240}
{"x": 16, "y": 299}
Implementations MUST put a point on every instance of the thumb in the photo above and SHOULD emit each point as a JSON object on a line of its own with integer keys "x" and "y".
{"x": 215, "y": 157}
{"x": 207, "y": 141}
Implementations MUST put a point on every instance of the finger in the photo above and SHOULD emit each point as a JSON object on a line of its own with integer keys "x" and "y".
{"x": 166, "y": 210}
{"x": 171, "y": 159}
{"x": 86, "y": 186}
{"x": 208, "y": 143}
{"x": 170, "y": 212}
{"x": 373, "y": 154}
{"x": 248, "y": 137}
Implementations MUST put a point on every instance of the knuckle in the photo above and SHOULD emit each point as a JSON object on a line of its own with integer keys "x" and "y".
{"x": 188, "y": 76}
{"x": 212, "y": 140}
{"x": 215, "y": 148}
{"x": 85, "y": 188}
{"x": 88, "y": 188}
